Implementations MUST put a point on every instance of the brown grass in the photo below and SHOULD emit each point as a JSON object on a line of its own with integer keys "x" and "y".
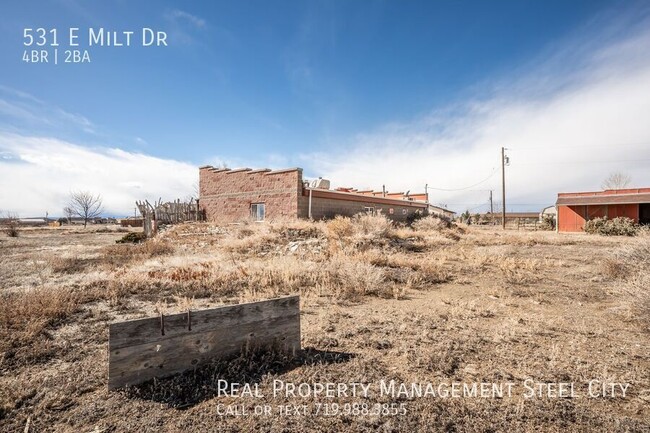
{"x": 123, "y": 254}
{"x": 379, "y": 301}
{"x": 630, "y": 264}
{"x": 25, "y": 321}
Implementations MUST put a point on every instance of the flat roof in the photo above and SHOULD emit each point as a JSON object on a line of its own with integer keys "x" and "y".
{"x": 603, "y": 199}
{"x": 353, "y": 196}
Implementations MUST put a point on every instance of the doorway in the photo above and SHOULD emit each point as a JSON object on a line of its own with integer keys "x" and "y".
{"x": 644, "y": 213}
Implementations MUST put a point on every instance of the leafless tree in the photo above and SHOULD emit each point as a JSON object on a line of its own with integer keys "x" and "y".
{"x": 69, "y": 213}
{"x": 11, "y": 222}
{"x": 616, "y": 180}
{"x": 85, "y": 205}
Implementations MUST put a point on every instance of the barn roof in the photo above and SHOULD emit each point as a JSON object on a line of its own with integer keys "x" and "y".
{"x": 627, "y": 196}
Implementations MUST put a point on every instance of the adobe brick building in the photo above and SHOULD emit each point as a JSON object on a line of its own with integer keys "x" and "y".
{"x": 576, "y": 208}
{"x": 227, "y": 195}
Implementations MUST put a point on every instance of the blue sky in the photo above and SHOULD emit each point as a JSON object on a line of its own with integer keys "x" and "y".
{"x": 366, "y": 93}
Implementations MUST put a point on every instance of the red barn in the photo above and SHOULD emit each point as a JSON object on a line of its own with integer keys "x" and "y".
{"x": 575, "y": 208}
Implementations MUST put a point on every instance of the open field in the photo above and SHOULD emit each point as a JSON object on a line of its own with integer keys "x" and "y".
{"x": 429, "y": 304}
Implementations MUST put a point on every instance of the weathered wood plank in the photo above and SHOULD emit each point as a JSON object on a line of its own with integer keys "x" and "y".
{"x": 138, "y": 352}
{"x": 148, "y": 330}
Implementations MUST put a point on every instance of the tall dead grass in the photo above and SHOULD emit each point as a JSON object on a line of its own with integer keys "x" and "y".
{"x": 373, "y": 256}
{"x": 630, "y": 264}
{"x": 122, "y": 254}
{"x": 360, "y": 229}
{"x": 26, "y": 318}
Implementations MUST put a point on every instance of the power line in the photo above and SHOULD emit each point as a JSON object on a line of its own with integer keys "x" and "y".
{"x": 583, "y": 162}
{"x": 468, "y": 187}
{"x": 590, "y": 146}
{"x": 469, "y": 204}
{"x": 509, "y": 204}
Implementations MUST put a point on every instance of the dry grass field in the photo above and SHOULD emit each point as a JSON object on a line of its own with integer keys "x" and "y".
{"x": 432, "y": 303}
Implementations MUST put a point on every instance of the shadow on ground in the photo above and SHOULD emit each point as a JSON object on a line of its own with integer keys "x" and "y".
{"x": 187, "y": 389}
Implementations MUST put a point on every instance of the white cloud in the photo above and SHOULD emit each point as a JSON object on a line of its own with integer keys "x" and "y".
{"x": 186, "y": 16}
{"x": 38, "y": 174}
{"x": 566, "y": 126}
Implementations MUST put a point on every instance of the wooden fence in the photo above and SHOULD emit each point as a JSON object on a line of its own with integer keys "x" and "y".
{"x": 173, "y": 212}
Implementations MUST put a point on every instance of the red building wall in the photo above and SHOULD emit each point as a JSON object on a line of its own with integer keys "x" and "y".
{"x": 573, "y": 218}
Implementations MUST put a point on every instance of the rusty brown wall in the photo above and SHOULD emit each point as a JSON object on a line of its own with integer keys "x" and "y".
{"x": 227, "y": 195}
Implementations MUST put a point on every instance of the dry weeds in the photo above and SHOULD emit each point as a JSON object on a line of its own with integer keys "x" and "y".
{"x": 379, "y": 301}
{"x": 630, "y": 264}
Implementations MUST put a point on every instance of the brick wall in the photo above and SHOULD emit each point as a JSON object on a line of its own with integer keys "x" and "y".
{"x": 327, "y": 204}
{"x": 226, "y": 195}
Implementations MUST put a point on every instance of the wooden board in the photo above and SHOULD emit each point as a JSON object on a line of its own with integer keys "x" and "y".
{"x": 140, "y": 350}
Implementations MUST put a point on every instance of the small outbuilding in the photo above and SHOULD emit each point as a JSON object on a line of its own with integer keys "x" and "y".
{"x": 576, "y": 208}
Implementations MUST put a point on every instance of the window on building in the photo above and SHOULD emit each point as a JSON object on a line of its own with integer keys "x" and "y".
{"x": 403, "y": 211}
{"x": 258, "y": 211}
{"x": 390, "y": 211}
{"x": 369, "y": 210}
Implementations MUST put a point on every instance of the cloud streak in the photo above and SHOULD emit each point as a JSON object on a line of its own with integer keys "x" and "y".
{"x": 19, "y": 109}
{"x": 197, "y": 22}
{"x": 568, "y": 119}
{"x": 39, "y": 174}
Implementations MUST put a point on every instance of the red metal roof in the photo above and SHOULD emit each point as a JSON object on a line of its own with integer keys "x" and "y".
{"x": 620, "y": 196}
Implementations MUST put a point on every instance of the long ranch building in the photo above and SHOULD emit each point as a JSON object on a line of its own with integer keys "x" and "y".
{"x": 227, "y": 195}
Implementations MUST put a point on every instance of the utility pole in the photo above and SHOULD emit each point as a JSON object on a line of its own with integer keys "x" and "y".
{"x": 503, "y": 188}
{"x": 426, "y": 192}
{"x": 491, "y": 205}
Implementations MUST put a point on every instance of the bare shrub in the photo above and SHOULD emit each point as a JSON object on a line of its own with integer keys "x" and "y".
{"x": 132, "y": 238}
{"x": 431, "y": 223}
{"x": 10, "y": 226}
{"x": 372, "y": 226}
{"x": 621, "y": 226}
{"x": 432, "y": 272}
{"x": 351, "y": 280}
{"x": 340, "y": 227}
{"x": 548, "y": 223}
